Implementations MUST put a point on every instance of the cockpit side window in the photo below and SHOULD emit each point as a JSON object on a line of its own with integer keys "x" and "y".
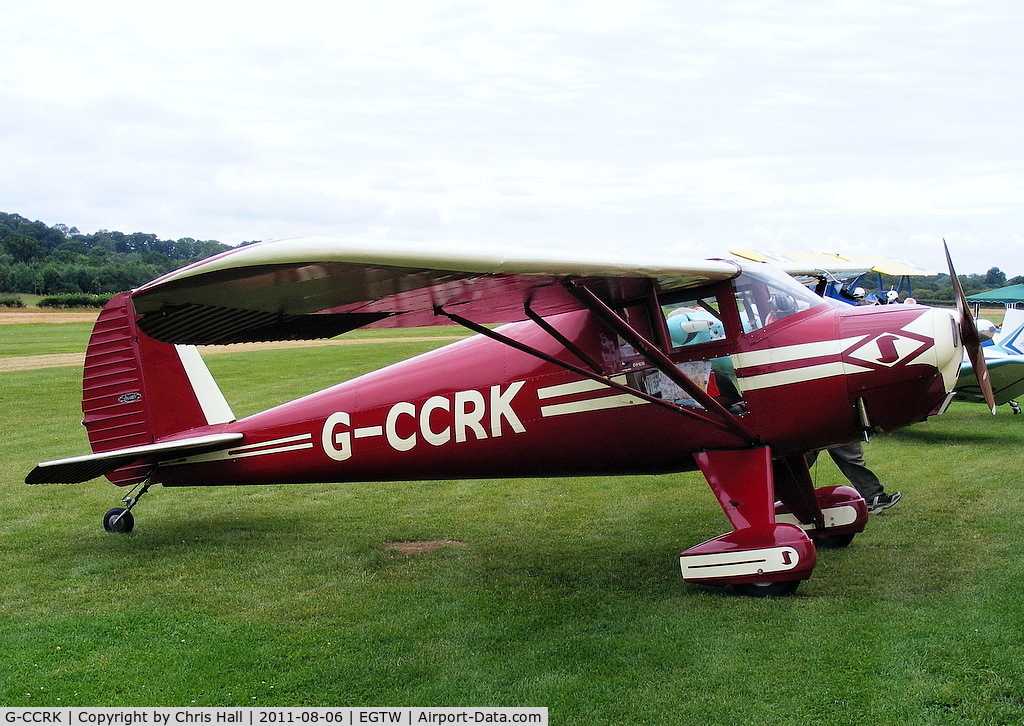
{"x": 769, "y": 296}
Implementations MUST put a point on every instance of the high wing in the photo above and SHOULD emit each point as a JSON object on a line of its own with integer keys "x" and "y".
{"x": 893, "y": 267}
{"x": 319, "y": 287}
{"x": 817, "y": 264}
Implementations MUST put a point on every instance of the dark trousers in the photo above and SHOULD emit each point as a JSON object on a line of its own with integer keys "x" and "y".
{"x": 850, "y": 460}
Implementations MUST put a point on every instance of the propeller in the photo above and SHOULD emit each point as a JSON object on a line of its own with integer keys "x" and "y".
{"x": 969, "y": 334}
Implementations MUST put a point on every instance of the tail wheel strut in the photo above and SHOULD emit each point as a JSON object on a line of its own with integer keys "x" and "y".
{"x": 120, "y": 520}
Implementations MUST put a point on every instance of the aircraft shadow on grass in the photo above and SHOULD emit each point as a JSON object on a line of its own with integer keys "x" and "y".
{"x": 980, "y": 436}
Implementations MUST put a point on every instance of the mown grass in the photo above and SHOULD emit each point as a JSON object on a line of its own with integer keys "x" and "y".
{"x": 42, "y": 338}
{"x": 567, "y": 594}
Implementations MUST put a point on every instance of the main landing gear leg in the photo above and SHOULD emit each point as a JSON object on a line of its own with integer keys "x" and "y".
{"x": 831, "y": 516}
{"x": 120, "y": 519}
{"x": 760, "y": 557}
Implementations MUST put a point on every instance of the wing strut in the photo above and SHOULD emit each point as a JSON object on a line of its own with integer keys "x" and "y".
{"x": 572, "y": 367}
{"x": 729, "y": 424}
{"x": 557, "y": 335}
{"x": 717, "y": 412}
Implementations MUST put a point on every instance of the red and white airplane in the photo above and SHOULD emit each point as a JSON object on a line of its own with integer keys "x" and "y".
{"x": 602, "y": 366}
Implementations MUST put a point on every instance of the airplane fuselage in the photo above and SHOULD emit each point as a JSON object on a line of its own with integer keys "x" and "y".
{"x": 478, "y": 408}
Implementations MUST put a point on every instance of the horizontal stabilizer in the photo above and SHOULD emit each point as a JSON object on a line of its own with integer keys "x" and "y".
{"x": 83, "y": 468}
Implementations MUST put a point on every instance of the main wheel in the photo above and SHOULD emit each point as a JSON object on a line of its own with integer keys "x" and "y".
{"x": 767, "y": 589}
{"x": 112, "y": 523}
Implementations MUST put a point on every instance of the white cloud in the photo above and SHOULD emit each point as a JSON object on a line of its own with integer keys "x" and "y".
{"x": 694, "y": 124}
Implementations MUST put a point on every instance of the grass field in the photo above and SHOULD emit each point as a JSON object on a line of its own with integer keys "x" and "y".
{"x": 566, "y": 594}
{"x": 42, "y": 339}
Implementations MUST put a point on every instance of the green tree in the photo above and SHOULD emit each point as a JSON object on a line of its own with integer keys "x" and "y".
{"x": 45, "y": 260}
{"x": 23, "y": 248}
{"x": 995, "y": 278}
{"x": 23, "y": 278}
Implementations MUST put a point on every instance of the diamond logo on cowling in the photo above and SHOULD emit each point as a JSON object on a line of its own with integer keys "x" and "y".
{"x": 888, "y": 350}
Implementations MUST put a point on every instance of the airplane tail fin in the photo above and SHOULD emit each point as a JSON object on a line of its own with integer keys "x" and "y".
{"x": 137, "y": 391}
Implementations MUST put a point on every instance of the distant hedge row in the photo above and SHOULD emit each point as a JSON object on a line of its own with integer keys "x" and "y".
{"x": 62, "y": 302}
{"x": 74, "y": 300}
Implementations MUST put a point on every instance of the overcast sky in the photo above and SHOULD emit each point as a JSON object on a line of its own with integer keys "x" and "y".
{"x": 870, "y": 126}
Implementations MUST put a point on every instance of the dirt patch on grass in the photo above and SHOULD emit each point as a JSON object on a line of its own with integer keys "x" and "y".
{"x": 15, "y": 316}
{"x": 60, "y": 360}
{"x": 420, "y": 547}
{"x": 37, "y": 362}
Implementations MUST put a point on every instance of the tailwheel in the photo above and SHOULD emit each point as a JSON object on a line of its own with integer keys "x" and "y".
{"x": 118, "y": 520}
{"x": 767, "y": 589}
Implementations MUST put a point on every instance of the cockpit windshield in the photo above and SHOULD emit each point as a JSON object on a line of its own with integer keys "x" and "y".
{"x": 765, "y": 294}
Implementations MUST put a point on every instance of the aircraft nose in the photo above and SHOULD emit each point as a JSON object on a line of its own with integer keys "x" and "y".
{"x": 949, "y": 345}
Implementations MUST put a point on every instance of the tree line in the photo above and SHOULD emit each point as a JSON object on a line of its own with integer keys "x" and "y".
{"x": 938, "y": 290}
{"x": 38, "y": 259}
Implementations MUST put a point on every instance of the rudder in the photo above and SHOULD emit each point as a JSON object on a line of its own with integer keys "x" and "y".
{"x": 137, "y": 390}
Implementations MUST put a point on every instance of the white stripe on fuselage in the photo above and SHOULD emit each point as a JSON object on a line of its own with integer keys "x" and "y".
{"x": 583, "y": 405}
{"x": 299, "y": 442}
{"x": 802, "y": 374}
{"x": 591, "y": 404}
{"x": 789, "y": 353}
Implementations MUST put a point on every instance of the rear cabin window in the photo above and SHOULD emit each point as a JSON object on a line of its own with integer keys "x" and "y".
{"x": 693, "y": 322}
{"x": 690, "y": 324}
